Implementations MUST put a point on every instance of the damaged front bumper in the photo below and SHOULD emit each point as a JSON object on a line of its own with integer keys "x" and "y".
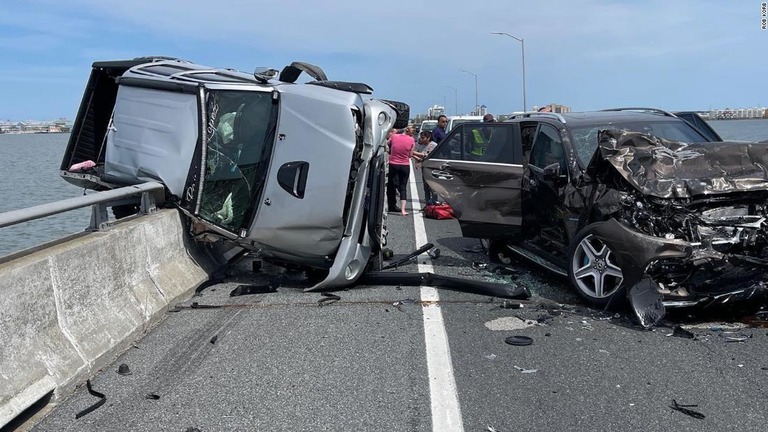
{"x": 701, "y": 274}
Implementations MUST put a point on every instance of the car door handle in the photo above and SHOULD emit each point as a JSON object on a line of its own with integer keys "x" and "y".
{"x": 442, "y": 175}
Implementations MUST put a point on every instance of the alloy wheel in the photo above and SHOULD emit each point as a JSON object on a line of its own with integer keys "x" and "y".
{"x": 594, "y": 269}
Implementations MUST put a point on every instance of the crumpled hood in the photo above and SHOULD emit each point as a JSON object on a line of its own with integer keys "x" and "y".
{"x": 672, "y": 169}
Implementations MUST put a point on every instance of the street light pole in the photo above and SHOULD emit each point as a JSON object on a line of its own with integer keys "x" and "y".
{"x": 456, "y": 101}
{"x": 522, "y": 44}
{"x": 475, "y": 75}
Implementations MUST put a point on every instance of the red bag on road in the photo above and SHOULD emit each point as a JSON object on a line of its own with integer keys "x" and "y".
{"x": 438, "y": 211}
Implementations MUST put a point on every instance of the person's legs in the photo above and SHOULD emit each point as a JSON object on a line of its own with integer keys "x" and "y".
{"x": 391, "y": 198}
{"x": 403, "y": 171}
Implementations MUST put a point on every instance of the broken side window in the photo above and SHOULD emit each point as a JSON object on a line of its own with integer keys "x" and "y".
{"x": 237, "y": 151}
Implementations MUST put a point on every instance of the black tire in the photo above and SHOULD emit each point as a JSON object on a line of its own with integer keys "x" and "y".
{"x": 403, "y": 113}
{"x": 592, "y": 270}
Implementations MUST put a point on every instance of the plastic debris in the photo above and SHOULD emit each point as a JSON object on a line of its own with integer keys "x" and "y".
{"x": 478, "y": 265}
{"x": 525, "y": 371}
{"x": 214, "y": 339}
{"x": 123, "y": 370}
{"x": 734, "y": 336}
{"x": 152, "y": 396}
{"x": 490, "y": 356}
{"x": 399, "y": 303}
{"x": 327, "y": 299}
{"x": 254, "y": 289}
{"x": 511, "y": 305}
{"x": 434, "y": 253}
{"x": 504, "y": 270}
{"x": 685, "y": 410}
{"x": 680, "y": 332}
{"x": 93, "y": 407}
{"x": 518, "y": 340}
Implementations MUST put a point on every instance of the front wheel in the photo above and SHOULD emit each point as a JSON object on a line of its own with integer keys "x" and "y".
{"x": 593, "y": 270}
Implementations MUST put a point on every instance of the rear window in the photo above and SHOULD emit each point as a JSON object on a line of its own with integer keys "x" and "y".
{"x": 584, "y": 137}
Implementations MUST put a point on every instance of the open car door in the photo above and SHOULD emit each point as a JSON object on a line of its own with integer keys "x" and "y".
{"x": 478, "y": 170}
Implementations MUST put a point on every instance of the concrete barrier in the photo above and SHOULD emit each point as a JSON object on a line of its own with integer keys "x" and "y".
{"x": 68, "y": 309}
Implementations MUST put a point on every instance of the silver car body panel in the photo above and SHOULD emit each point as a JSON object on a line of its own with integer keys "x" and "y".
{"x": 152, "y": 137}
{"x": 311, "y": 128}
{"x": 352, "y": 256}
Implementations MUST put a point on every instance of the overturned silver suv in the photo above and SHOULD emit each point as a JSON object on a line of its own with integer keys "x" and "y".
{"x": 294, "y": 172}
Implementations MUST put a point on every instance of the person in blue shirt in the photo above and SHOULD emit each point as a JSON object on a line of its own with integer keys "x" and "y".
{"x": 438, "y": 133}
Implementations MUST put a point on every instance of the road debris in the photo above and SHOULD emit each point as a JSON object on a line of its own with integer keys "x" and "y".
{"x": 124, "y": 370}
{"x": 519, "y": 340}
{"x": 684, "y": 409}
{"x": 511, "y": 305}
{"x": 255, "y": 289}
{"x": 525, "y": 371}
{"x": 96, "y": 405}
{"x": 152, "y": 396}
{"x": 490, "y": 356}
{"x": 327, "y": 299}
{"x": 734, "y": 336}
{"x": 680, "y": 332}
{"x": 214, "y": 339}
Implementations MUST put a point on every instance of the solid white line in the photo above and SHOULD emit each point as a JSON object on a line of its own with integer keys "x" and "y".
{"x": 446, "y": 412}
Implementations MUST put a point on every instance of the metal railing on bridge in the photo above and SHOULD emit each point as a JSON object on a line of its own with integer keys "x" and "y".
{"x": 99, "y": 202}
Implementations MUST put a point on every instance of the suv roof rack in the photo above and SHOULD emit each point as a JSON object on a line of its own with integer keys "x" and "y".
{"x": 644, "y": 109}
{"x": 540, "y": 114}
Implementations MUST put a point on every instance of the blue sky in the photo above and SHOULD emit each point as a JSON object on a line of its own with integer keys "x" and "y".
{"x": 588, "y": 54}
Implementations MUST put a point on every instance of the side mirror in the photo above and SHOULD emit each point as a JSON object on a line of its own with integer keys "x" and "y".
{"x": 552, "y": 172}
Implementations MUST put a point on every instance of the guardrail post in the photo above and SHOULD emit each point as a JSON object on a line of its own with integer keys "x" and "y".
{"x": 148, "y": 204}
{"x": 99, "y": 218}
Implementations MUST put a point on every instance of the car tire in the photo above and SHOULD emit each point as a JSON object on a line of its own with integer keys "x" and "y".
{"x": 403, "y": 113}
{"x": 593, "y": 271}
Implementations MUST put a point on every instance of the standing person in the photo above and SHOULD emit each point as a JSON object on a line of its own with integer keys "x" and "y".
{"x": 425, "y": 139}
{"x": 438, "y": 133}
{"x": 400, "y": 154}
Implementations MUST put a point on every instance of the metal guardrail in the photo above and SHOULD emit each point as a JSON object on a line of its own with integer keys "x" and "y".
{"x": 99, "y": 201}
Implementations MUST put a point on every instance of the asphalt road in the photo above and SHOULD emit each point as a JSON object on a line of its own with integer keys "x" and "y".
{"x": 281, "y": 362}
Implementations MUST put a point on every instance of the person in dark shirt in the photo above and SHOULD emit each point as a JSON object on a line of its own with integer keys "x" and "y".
{"x": 438, "y": 133}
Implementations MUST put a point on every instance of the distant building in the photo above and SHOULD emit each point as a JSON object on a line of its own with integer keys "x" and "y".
{"x": 435, "y": 111}
{"x": 737, "y": 113}
{"x": 555, "y": 108}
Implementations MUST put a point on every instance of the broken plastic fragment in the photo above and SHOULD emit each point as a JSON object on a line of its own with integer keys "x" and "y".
{"x": 93, "y": 407}
{"x": 434, "y": 253}
{"x": 646, "y": 302}
{"x": 678, "y": 331}
{"x": 327, "y": 299}
{"x": 123, "y": 369}
{"x": 477, "y": 265}
{"x": 525, "y": 371}
{"x": 490, "y": 356}
{"x": 518, "y": 340}
{"x": 684, "y": 409}
{"x": 254, "y": 289}
{"x": 152, "y": 396}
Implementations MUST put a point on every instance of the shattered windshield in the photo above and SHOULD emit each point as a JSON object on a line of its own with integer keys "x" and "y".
{"x": 237, "y": 154}
{"x": 585, "y": 136}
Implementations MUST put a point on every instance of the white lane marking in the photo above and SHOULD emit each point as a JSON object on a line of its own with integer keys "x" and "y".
{"x": 446, "y": 412}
